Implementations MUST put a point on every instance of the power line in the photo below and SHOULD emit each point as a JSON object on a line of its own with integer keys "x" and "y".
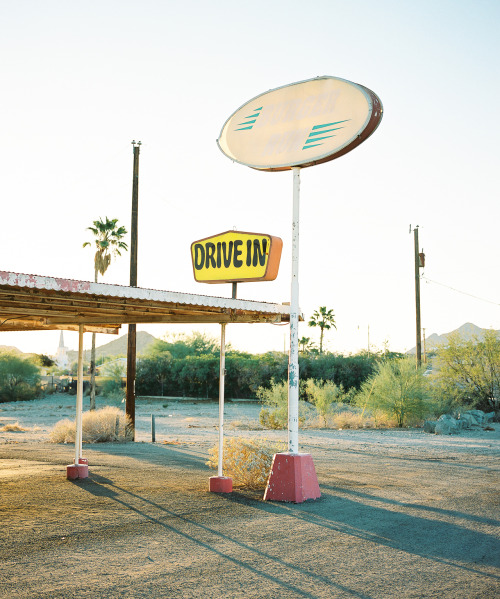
{"x": 462, "y": 292}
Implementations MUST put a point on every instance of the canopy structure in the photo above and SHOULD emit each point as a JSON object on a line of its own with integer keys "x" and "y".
{"x": 33, "y": 302}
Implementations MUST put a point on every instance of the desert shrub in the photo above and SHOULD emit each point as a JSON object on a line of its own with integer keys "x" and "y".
{"x": 275, "y": 414}
{"x": 273, "y": 419}
{"x": 112, "y": 385}
{"x": 398, "y": 389}
{"x": 325, "y": 395}
{"x": 98, "y": 426}
{"x": 19, "y": 378}
{"x": 13, "y": 427}
{"x": 349, "y": 419}
{"x": 247, "y": 461}
{"x": 467, "y": 373}
{"x": 382, "y": 420}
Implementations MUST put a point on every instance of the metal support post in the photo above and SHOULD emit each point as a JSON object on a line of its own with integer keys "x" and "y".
{"x": 293, "y": 361}
{"x": 222, "y": 375}
{"x": 79, "y": 398}
{"x": 293, "y": 476}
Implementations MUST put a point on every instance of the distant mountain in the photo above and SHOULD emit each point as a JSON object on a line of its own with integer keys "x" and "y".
{"x": 466, "y": 331}
{"x": 10, "y": 349}
{"x": 117, "y": 347}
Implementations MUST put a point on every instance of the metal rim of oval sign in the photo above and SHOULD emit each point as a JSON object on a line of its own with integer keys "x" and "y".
{"x": 236, "y": 256}
{"x": 301, "y": 124}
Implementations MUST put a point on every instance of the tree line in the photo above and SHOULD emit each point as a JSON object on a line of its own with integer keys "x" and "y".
{"x": 465, "y": 374}
{"x": 197, "y": 375}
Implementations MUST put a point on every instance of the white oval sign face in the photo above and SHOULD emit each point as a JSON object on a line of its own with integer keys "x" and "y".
{"x": 301, "y": 124}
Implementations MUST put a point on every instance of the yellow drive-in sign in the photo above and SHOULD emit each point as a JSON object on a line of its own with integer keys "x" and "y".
{"x": 236, "y": 256}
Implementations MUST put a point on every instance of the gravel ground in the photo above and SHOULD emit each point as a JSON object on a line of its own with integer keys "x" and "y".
{"x": 402, "y": 514}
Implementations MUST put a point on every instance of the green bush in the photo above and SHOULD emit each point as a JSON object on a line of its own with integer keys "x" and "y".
{"x": 19, "y": 378}
{"x": 398, "y": 389}
{"x": 275, "y": 397}
{"x": 273, "y": 419}
{"x": 275, "y": 414}
{"x": 468, "y": 373}
{"x": 113, "y": 385}
{"x": 324, "y": 395}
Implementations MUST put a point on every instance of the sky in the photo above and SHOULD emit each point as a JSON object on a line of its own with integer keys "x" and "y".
{"x": 80, "y": 81}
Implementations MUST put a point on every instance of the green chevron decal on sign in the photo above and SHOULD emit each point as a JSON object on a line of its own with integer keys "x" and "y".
{"x": 317, "y": 130}
{"x": 249, "y": 122}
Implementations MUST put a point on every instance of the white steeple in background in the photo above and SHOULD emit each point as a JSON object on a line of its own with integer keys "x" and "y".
{"x": 61, "y": 356}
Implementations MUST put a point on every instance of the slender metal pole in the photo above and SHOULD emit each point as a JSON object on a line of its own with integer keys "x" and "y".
{"x": 132, "y": 328}
{"x": 79, "y": 398}
{"x": 153, "y": 429}
{"x": 417, "y": 298}
{"x": 222, "y": 375}
{"x": 293, "y": 361}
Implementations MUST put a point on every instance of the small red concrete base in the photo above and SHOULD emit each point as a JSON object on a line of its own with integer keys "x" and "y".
{"x": 220, "y": 484}
{"x": 82, "y": 461}
{"x": 74, "y": 471}
{"x": 293, "y": 478}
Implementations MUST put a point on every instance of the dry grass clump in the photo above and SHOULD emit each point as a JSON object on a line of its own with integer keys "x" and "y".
{"x": 245, "y": 424}
{"x": 382, "y": 420}
{"x": 98, "y": 426}
{"x": 354, "y": 420}
{"x": 351, "y": 420}
{"x": 15, "y": 427}
{"x": 247, "y": 461}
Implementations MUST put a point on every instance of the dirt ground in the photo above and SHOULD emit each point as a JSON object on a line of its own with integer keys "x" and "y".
{"x": 402, "y": 515}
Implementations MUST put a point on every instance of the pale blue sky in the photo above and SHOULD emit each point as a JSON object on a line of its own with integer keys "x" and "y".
{"x": 79, "y": 82}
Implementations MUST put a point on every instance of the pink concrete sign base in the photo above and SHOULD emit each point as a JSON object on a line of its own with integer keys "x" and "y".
{"x": 293, "y": 478}
{"x": 74, "y": 471}
{"x": 220, "y": 484}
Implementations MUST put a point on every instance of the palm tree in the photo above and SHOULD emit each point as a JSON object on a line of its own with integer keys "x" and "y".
{"x": 304, "y": 343}
{"x": 107, "y": 239}
{"x": 324, "y": 319}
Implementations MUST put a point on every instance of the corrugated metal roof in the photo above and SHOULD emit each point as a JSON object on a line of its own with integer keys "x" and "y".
{"x": 41, "y": 302}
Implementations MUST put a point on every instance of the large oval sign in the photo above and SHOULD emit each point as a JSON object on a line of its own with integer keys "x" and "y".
{"x": 301, "y": 124}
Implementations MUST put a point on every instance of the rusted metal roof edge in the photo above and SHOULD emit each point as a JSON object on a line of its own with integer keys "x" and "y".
{"x": 23, "y": 281}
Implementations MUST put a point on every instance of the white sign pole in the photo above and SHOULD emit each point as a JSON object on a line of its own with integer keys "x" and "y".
{"x": 79, "y": 398}
{"x": 293, "y": 361}
{"x": 221, "y": 394}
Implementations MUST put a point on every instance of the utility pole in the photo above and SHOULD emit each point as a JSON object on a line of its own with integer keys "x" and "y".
{"x": 425, "y": 355}
{"x": 131, "y": 347}
{"x": 417, "y": 297}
